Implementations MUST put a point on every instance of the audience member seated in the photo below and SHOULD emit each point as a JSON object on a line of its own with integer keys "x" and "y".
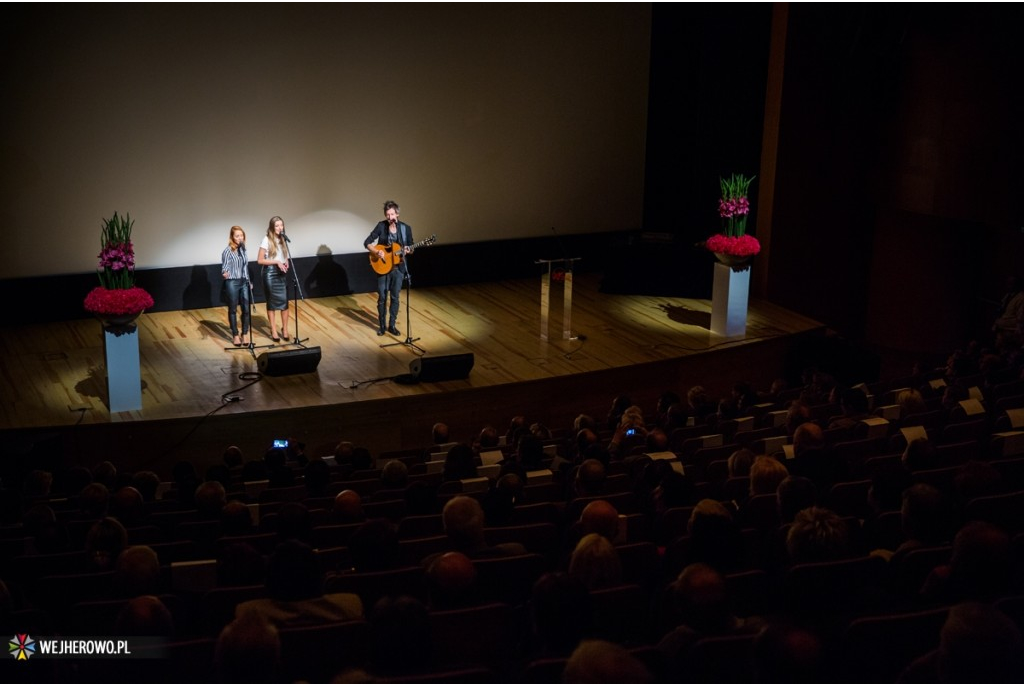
{"x": 980, "y": 566}
{"x": 137, "y": 572}
{"x": 925, "y": 520}
{"x": 451, "y": 582}
{"x": 810, "y": 458}
{"x": 294, "y": 522}
{"x": 128, "y": 507}
{"x": 147, "y": 483}
{"x": 103, "y": 543}
{"x": 787, "y": 653}
{"x": 978, "y": 644}
{"x": 239, "y": 564}
{"x": 765, "y": 475}
{"x": 348, "y": 508}
{"x": 400, "y": 639}
{"x": 817, "y": 534}
{"x": 210, "y": 499}
{"x": 739, "y": 463}
{"x": 48, "y": 535}
{"x": 278, "y": 472}
{"x": 919, "y": 455}
{"x": 93, "y": 501}
{"x": 499, "y": 502}
{"x": 463, "y": 519}
{"x": 910, "y": 403}
{"x": 701, "y": 607}
{"x": 599, "y": 661}
{"x": 145, "y": 616}
{"x": 596, "y": 563}
{"x": 295, "y": 591}
{"x": 794, "y": 494}
{"x": 317, "y": 478}
{"x": 248, "y": 651}
{"x": 394, "y": 475}
{"x": 560, "y": 614}
{"x": 714, "y": 538}
{"x": 854, "y": 404}
{"x": 600, "y": 517}
{"x": 459, "y": 464}
{"x": 589, "y": 479}
{"x": 235, "y": 519}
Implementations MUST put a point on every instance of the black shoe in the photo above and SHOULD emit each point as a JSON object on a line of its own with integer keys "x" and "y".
{"x": 380, "y": 331}
{"x": 393, "y": 331}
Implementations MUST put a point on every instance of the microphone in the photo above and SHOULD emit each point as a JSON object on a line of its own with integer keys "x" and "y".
{"x": 241, "y": 246}
{"x": 285, "y": 236}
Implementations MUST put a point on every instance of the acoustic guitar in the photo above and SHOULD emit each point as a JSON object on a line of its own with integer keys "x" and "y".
{"x": 393, "y": 255}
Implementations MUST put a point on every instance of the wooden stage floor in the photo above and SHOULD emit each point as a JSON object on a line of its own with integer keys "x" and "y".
{"x": 52, "y": 375}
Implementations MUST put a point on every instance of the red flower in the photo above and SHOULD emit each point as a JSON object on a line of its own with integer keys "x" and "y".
{"x": 738, "y": 246}
{"x": 119, "y": 302}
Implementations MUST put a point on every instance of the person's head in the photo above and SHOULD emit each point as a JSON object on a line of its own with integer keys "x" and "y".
{"x": 439, "y": 433}
{"x": 147, "y": 483}
{"x": 463, "y": 519}
{"x": 394, "y": 474}
{"x": 700, "y": 600}
{"x": 236, "y": 236}
{"x": 910, "y": 402}
{"x": 785, "y": 653}
{"x": 239, "y": 563}
{"x": 925, "y": 515}
{"x": 488, "y": 438}
{"x": 144, "y": 616}
{"x": 919, "y": 454}
{"x": 599, "y": 661}
{"x": 348, "y": 507}
{"x": 817, "y": 534}
{"x": 797, "y": 414}
{"x": 807, "y": 437}
{"x": 400, "y": 636}
{"x": 600, "y": 517}
{"x": 794, "y": 494}
{"x": 104, "y": 542}
{"x": 93, "y": 500}
{"x": 235, "y": 519}
{"x": 739, "y": 463}
{"x": 590, "y": 478}
{"x": 561, "y": 613}
{"x": 530, "y": 451}
{"x": 765, "y": 475}
{"x": 275, "y": 227}
{"x": 317, "y": 477}
{"x": 460, "y": 463}
{"x": 127, "y": 506}
{"x": 854, "y": 402}
{"x": 248, "y": 651}
{"x": 451, "y": 580}
{"x": 391, "y": 211}
{"x": 294, "y": 522}
{"x": 233, "y": 457}
{"x": 979, "y": 644}
{"x": 137, "y": 572}
{"x": 980, "y": 565}
{"x": 595, "y": 562}
{"x": 210, "y": 499}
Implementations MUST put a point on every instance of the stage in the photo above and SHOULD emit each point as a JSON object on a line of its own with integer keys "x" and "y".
{"x": 53, "y": 384}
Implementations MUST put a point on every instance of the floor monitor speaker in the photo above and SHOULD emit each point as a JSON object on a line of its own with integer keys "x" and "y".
{"x": 441, "y": 368}
{"x": 289, "y": 362}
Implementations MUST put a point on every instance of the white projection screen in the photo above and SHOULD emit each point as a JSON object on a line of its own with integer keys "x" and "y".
{"x": 483, "y": 121}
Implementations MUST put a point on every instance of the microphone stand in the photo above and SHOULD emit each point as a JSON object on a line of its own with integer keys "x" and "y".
{"x": 298, "y": 291}
{"x": 251, "y": 347}
{"x": 409, "y": 340}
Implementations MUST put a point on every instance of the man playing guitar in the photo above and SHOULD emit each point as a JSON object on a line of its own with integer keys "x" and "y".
{"x": 387, "y": 243}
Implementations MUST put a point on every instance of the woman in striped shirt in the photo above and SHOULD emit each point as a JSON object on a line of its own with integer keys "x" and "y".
{"x": 234, "y": 268}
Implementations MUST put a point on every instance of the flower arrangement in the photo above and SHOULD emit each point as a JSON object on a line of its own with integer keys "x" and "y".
{"x": 117, "y": 294}
{"x": 734, "y": 207}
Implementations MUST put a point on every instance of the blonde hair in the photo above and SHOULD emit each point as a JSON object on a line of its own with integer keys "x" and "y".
{"x": 272, "y": 238}
{"x": 231, "y": 237}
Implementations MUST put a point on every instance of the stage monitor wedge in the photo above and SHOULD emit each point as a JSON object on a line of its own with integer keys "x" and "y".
{"x": 448, "y": 367}
{"x": 289, "y": 362}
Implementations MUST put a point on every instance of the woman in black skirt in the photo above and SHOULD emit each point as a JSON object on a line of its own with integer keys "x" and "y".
{"x": 274, "y": 260}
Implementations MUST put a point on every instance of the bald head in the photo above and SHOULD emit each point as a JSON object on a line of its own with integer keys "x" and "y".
{"x": 452, "y": 577}
{"x": 600, "y": 517}
{"x": 348, "y": 506}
